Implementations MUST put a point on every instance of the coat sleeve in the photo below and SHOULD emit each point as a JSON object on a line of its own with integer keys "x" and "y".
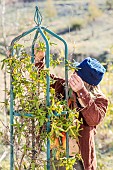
{"x": 94, "y": 110}
{"x": 59, "y": 86}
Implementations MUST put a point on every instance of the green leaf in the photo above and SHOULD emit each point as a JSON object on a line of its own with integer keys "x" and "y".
{"x": 33, "y": 166}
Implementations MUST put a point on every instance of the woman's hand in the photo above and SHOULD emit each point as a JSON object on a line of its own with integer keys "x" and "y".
{"x": 75, "y": 82}
{"x": 39, "y": 54}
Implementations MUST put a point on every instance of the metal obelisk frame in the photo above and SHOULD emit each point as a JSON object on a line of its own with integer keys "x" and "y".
{"x": 39, "y": 29}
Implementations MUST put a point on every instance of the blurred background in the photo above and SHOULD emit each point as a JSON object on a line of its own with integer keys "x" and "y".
{"x": 87, "y": 27}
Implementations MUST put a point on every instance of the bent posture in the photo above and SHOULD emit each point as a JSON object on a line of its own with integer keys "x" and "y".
{"x": 89, "y": 101}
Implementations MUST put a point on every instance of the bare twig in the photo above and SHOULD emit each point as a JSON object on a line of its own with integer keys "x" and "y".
{"x": 3, "y": 155}
{"x": 7, "y": 127}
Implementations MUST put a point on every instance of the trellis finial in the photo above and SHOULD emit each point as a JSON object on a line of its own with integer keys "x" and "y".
{"x": 37, "y": 16}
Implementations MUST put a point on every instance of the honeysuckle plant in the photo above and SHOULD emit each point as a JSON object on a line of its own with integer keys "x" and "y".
{"x": 30, "y": 134}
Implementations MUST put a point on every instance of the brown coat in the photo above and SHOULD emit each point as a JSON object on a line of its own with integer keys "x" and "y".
{"x": 92, "y": 114}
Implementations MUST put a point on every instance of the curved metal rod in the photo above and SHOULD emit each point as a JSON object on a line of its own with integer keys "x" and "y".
{"x": 66, "y": 79}
{"x": 47, "y": 93}
{"x": 33, "y": 44}
{"x": 22, "y": 35}
{"x": 12, "y": 99}
{"x": 66, "y": 57}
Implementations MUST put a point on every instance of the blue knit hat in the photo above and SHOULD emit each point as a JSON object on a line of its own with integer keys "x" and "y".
{"x": 91, "y": 71}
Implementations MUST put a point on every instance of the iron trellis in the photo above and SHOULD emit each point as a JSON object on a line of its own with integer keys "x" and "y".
{"x": 39, "y": 29}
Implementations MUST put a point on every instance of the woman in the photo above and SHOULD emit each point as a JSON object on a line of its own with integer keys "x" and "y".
{"x": 88, "y": 100}
{"x": 93, "y": 103}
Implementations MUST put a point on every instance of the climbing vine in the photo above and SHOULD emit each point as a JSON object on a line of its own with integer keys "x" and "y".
{"x": 30, "y": 134}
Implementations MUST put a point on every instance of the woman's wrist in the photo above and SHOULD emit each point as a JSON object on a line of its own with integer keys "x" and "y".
{"x": 82, "y": 92}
